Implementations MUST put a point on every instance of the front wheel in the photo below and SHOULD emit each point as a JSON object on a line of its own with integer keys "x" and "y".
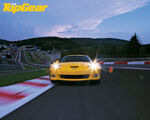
{"x": 54, "y": 81}
{"x": 93, "y": 82}
{"x": 97, "y": 81}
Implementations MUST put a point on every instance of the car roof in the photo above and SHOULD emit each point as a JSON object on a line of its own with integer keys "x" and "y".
{"x": 76, "y": 55}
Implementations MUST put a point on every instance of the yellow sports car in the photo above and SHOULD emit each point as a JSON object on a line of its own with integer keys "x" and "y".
{"x": 75, "y": 68}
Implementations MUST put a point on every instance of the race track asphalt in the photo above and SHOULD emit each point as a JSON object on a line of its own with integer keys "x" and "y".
{"x": 123, "y": 95}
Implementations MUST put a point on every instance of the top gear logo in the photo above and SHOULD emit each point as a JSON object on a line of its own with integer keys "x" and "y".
{"x": 26, "y": 7}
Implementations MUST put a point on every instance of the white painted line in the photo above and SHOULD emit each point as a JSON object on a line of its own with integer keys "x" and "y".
{"x": 136, "y": 62}
{"x": 135, "y": 68}
{"x": 45, "y": 76}
{"x": 108, "y": 63}
{"x": 132, "y": 68}
{"x": 129, "y": 63}
{"x": 4, "y": 110}
{"x": 40, "y": 81}
{"x": 26, "y": 91}
{"x": 14, "y": 88}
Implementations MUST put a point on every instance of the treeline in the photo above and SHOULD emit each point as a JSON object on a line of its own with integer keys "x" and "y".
{"x": 131, "y": 49}
{"x": 48, "y": 43}
{"x": 100, "y": 47}
{"x": 4, "y": 42}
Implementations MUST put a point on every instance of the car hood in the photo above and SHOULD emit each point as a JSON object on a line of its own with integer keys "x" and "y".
{"x": 74, "y": 66}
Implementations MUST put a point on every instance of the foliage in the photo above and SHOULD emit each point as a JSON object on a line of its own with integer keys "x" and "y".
{"x": 98, "y": 47}
{"x": 134, "y": 46}
{"x": 48, "y": 43}
{"x": 2, "y": 48}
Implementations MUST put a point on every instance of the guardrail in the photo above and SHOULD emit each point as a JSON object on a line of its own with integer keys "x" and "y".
{"x": 128, "y": 63}
{"x": 123, "y": 59}
{"x": 7, "y": 61}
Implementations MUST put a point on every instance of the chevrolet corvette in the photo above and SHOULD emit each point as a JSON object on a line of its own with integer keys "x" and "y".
{"x": 75, "y": 68}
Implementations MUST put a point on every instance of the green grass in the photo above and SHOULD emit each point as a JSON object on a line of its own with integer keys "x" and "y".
{"x": 43, "y": 56}
{"x": 30, "y": 67}
{"x": 35, "y": 59}
{"x": 31, "y": 58}
{"x": 28, "y": 56}
{"x": 20, "y": 77}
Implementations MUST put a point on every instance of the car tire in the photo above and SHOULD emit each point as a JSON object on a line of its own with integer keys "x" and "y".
{"x": 54, "y": 81}
{"x": 97, "y": 81}
{"x": 93, "y": 82}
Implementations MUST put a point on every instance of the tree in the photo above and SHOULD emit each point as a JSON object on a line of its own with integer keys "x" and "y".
{"x": 2, "y": 48}
{"x": 134, "y": 46}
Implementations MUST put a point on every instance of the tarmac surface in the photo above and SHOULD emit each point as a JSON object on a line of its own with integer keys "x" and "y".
{"x": 123, "y": 95}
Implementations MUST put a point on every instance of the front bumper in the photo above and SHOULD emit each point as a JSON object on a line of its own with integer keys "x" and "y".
{"x": 60, "y": 78}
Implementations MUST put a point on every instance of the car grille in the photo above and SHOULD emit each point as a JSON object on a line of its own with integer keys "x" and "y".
{"x": 74, "y": 76}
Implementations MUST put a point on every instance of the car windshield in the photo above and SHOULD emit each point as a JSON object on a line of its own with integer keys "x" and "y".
{"x": 76, "y": 59}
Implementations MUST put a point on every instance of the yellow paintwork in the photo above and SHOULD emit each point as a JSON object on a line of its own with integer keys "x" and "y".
{"x": 83, "y": 69}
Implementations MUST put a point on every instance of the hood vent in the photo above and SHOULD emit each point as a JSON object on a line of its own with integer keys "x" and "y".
{"x": 74, "y": 66}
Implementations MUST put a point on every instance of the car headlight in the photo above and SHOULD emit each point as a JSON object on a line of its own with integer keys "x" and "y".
{"x": 94, "y": 66}
{"x": 55, "y": 65}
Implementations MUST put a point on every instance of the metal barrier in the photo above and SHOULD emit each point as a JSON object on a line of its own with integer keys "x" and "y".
{"x": 124, "y": 59}
{"x": 9, "y": 64}
{"x": 7, "y": 61}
